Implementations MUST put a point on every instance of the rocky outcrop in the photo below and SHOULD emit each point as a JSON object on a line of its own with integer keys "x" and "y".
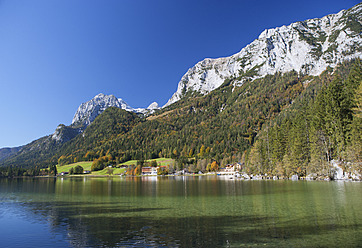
{"x": 345, "y": 171}
{"x": 308, "y": 47}
{"x": 64, "y": 133}
{"x": 88, "y": 111}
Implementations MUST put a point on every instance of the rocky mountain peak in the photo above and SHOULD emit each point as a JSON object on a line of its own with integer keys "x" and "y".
{"x": 153, "y": 106}
{"x": 308, "y": 47}
{"x": 88, "y": 111}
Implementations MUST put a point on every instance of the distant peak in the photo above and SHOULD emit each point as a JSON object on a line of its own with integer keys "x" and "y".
{"x": 104, "y": 96}
{"x": 153, "y": 105}
{"x": 89, "y": 110}
{"x": 100, "y": 95}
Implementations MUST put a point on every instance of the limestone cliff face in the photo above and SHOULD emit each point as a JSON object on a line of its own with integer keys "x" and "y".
{"x": 88, "y": 111}
{"x": 308, "y": 47}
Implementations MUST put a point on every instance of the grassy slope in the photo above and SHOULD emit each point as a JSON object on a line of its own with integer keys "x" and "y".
{"x": 88, "y": 165}
{"x": 160, "y": 161}
{"x": 66, "y": 168}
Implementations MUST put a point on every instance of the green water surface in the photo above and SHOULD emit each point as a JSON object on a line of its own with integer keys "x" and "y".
{"x": 179, "y": 212}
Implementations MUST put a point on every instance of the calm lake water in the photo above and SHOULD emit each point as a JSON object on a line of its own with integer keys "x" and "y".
{"x": 179, "y": 212}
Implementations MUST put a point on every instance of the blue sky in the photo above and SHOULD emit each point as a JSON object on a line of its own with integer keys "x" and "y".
{"x": 54, "y": 55}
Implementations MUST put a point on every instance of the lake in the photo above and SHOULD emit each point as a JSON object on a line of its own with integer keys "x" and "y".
{"x": 206, "y": 211}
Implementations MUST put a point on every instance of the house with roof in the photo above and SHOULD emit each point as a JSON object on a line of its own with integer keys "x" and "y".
{"x": 227, "y": 170}
{"x": 150, "y": 171}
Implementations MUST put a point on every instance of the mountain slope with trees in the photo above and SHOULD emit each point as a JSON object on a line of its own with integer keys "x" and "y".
{"x": 264, "y": 108}
{"x": 324, "y": 127}
{"x": 229, "y": 125}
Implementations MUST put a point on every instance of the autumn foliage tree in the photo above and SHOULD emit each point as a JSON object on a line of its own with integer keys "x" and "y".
{"x": 214, "y": 166}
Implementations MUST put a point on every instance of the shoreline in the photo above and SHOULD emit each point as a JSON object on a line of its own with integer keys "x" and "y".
{"x": 229, "y": 177}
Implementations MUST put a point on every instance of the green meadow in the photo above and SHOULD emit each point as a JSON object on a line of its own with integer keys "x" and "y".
{"x": 160, "y": 161}
{"x": 116, "y": 171}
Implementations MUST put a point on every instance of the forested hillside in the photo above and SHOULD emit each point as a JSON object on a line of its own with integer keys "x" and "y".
{"x": 278, "y": 124}
{"x": 220, "y": 126}
{"x": 289, "y": 102}
{"x": 321, "y": 127}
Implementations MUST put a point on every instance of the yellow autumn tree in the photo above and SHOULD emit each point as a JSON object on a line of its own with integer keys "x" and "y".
{"x": 202, "y": 151}
{"x": 214, "y": 166}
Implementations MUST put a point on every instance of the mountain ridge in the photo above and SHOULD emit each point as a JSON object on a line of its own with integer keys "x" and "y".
{"x": 302, "y": 46}
{"x": 88, "y": 111}
{"x": 8, "y": 151}
{"x": 223, "y": 71}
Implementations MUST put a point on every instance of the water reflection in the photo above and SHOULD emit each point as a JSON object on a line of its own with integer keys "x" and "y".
{"x": 185, "y": 211}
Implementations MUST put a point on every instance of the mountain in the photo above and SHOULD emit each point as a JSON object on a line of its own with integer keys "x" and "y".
{"x": 41, "y": 149}
{"x": 221, "y": 125}
{"x": 149, "y": 110}
{"x": 7, "y": 152}
{"x": 88, "y": 111}
{"x": 65, "y": 133}
{"x": 308, "y": 47}
{"x": 220, "y": 117}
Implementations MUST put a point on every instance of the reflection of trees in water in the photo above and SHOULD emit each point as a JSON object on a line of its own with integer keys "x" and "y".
{"x": 89, "y": 221}
{"x": 97, "y": 224}
{"x": 197, "y": 231}
{"x": 28, "y": 185}
{"x": 80, "y": 225}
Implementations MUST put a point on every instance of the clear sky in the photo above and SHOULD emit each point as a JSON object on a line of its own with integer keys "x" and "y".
{"x": 54, "y": 55}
